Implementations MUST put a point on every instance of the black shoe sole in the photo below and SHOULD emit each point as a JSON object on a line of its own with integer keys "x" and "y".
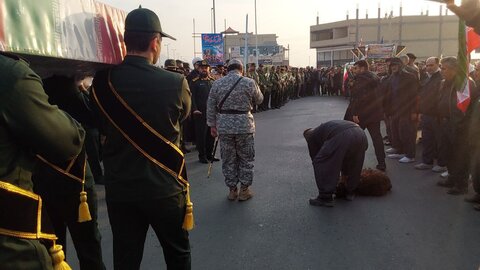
{"x": 315, "y": 202}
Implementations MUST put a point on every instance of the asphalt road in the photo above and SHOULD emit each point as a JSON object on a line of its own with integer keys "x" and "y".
{"x": 416, "y": 226}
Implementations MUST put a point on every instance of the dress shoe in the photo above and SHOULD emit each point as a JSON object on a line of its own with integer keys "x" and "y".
{"x": 203, "y": 160}
{"x": 406, "y": 160}
{"x": 391, "y": 151}
{"x": 381, "y": 166}
{"x": 350, "y": 196}
{"x": 213, "y": 159}
{"x": 423, "y": 166}
{"x": 245, "y": 194}
{"x": 474, "y": 198}
{"x": 233, "y": 194}
{"x": 439, "y": 169}
{"x": 445, "y": 183}
{"x": 476, "y": 206}
{"x": 318, "y": 201}
{"x": 396, "y": 156}
{"x": 457, "y": 191}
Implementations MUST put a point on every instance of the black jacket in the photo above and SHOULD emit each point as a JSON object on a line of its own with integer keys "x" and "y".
{"x": 430, "y": 94}
{"x": 404, "y": 101}
{"x": 366, "y": 100}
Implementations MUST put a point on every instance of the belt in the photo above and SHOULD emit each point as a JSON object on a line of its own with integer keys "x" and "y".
{"x": 233, "y": 112}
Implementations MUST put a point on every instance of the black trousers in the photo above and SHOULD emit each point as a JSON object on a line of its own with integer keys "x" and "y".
{"x": 458, "y": 158}
{"x": 404, "y": 134}
{"x": 431, "y": 138}
{"x": 204, "y": 140}
{"x": 63, "y": 213}
{"x": 266, "y": 100}
{"x": 345, "y": 153}
{"x": 475, "y": 166}
{"x": 377, "y": 140}
{"x": 130, "y": 222}
{"x": 92, "y": 146}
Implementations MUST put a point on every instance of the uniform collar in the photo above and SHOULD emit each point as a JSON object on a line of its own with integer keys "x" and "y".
{"x": 134, "y": 59}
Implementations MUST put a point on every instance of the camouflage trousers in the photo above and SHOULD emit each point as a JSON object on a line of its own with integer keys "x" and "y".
{"x": 238, "y": 153}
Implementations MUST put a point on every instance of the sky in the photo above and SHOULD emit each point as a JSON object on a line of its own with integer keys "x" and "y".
{"x": 290, "y": 20}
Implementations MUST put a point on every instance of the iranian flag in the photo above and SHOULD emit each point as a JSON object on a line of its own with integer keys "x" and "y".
{"x": 461, "y": 81}
{"x": 345, "y": 77}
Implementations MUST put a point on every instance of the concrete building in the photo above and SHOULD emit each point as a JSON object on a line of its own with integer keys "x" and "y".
{"x": 422, "y": 35}
{"x": 269, "y": 51}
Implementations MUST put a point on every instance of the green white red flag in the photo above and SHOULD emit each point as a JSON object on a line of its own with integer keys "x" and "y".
{"x": 462, "y": 80}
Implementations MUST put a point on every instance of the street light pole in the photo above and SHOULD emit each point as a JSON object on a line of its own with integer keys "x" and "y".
{"x": 214, "y": 28}
{"x": 256, "y": 36}
{"x": 168, "y": 51}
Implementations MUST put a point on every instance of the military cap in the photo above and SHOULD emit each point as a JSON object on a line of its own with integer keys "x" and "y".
{"x": 144, "y": 20}
{"x": 411, "y": 56}
{"x": 203, "y": 63}
{"x": 170, "y": 63}
{"x": 235, "y": 61}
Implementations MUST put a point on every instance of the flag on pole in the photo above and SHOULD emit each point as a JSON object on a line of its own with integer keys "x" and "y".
{"x": 473, "y": 40}
{"x": 345, "y": 77}
{"x": 462, "y": 80}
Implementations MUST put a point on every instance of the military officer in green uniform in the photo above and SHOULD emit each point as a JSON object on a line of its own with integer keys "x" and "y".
{"x": 252, "y": 74}
{"x": 60, "y": 189}
{"x": 142, "y": 184}
{"x": 200, "y": 87}
{"x": 29, "y": 125}
{"x": 263, "y": 84}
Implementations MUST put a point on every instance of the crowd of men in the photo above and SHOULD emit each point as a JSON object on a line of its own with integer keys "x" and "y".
{"x": 424, "y": 97}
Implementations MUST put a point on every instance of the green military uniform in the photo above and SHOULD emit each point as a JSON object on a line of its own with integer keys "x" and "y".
{"x": 139, "y": 193}
{"x": 263, "y": 84}
{"x": 252, "y": 74}
{"x": 29, "y": 125}
{"x": 200, "y": 87}
{"x": 60, "y": 192}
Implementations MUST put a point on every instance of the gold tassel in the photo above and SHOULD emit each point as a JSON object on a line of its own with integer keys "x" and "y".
{"x": 188, "y": 222}
{"x": 58, "y": 258}
{"x": 83, "y": 211}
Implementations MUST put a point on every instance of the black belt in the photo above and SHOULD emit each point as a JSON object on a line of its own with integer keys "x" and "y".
{"x": 233, "y": 112}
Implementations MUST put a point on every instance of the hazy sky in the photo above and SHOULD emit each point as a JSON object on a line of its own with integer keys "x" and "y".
{"x": 289, "y": 19}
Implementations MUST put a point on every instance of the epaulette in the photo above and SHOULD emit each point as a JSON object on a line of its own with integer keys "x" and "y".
{"x": 211, "y": 78}
{"x": 195, "y": 79}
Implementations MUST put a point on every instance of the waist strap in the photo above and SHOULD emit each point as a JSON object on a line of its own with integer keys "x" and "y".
{"x": 232, "y": 112}
{"x": 21, "y": 214}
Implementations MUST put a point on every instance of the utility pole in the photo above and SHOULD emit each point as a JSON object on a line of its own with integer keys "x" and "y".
{"x": 214, "y": 28}
{"x": 245, "y": 63}
{"x": 256, "y": 36}
{"x": 168, "y": 51}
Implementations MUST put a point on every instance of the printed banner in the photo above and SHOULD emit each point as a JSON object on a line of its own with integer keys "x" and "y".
{"x": 212, "y": 48}
{"x": 84, "y": 30}
{"x": 380, "y": 50}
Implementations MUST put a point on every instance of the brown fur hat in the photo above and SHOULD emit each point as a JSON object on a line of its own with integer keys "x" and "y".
{"x": 372, "y": 183}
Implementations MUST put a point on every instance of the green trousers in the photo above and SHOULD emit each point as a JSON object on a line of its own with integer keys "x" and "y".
{"x": 16, "y": 253}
